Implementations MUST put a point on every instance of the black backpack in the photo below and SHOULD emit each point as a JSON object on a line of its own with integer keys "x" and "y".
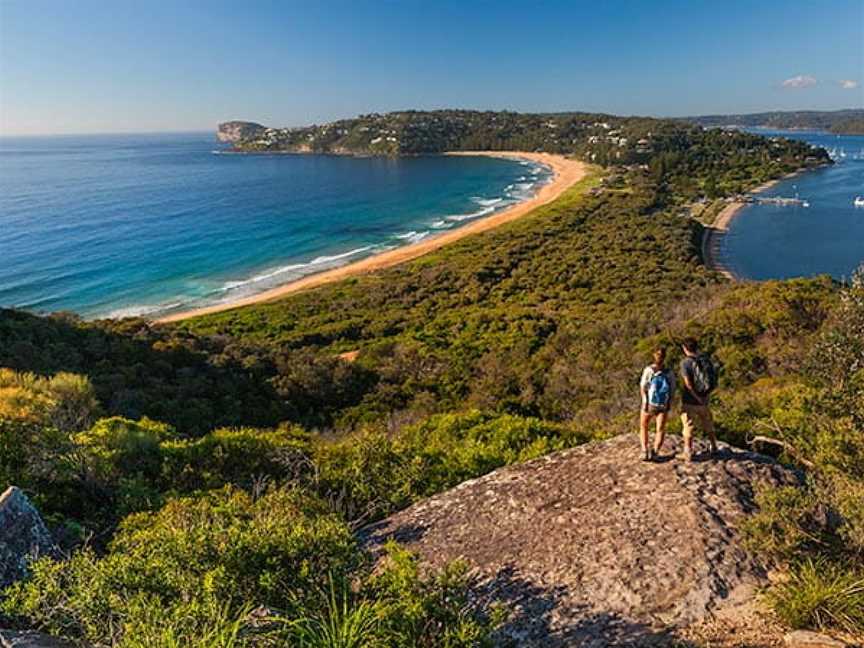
{"x": 704, "y": 375}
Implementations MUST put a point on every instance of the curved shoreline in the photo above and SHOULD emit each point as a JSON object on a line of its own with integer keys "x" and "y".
{"x": 712, "y": 239}
{"x": 565, "y": 173}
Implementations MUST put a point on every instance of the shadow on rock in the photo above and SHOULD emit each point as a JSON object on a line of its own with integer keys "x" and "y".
{"x": 537, "y": 610}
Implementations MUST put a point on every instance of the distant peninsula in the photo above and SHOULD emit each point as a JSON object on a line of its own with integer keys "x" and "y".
{"x": 609, "y": 139}
{"x": 840, "y": 122}
{"x": 592, "y": 137}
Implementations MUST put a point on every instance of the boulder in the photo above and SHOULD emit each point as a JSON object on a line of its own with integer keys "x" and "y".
{"x": 28, "y": 639}
{"x": 593, "y": 547}
{"x": 23, "y": 536}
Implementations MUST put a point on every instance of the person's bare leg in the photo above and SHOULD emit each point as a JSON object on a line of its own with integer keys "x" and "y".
{"x": 708, "y": 426}
{"x": 660, "y": 435}
{"x": 687, "y": 433}
{"x": 644, "y": 420}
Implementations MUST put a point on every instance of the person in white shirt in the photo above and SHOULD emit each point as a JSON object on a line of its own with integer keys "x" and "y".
{"x": 657, "y": 387}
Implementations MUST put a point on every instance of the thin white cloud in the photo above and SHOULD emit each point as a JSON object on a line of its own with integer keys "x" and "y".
{"x": 848, "y": 84}
{"x": 800, "y": 81}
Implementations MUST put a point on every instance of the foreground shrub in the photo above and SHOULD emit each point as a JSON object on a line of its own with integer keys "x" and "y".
{"x": 418, "y": 612}
{"x": 344, "y": 622}
{"x": 192, "y": 557}
{"x": 399, "y": 608}
{"x": 189, "y": 574}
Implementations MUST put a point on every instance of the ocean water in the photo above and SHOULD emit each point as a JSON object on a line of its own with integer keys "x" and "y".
{"x": 774, "y": 242}
{"x": 149, "y": 224}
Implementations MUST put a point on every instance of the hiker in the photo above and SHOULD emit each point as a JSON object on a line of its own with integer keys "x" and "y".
{"x": 699, "y": 378}
{"x": 657, "y": 387}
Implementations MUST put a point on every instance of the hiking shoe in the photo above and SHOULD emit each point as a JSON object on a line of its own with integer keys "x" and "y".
{"x": 646, "y": 454}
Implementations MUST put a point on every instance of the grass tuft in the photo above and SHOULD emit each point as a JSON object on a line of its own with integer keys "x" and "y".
{"x": 821, "y": 594}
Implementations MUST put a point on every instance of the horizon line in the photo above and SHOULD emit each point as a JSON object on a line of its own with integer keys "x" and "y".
{"x": 178, "y": 131}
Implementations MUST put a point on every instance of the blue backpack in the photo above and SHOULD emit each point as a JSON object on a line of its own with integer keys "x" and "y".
{"x": 659, "y": 390}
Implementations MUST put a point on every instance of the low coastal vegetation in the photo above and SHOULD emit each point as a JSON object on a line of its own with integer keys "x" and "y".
{"x": 206, "y": 478}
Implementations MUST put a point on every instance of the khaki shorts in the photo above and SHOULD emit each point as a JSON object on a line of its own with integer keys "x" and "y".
{"x": 693, "y": 414}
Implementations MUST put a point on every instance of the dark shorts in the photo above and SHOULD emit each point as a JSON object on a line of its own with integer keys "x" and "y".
{"x": 654, "y": 409}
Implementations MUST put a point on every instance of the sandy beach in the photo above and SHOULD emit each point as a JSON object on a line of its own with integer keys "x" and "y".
{"x": 566, "y": 173}
{"x": 712, "y": 241}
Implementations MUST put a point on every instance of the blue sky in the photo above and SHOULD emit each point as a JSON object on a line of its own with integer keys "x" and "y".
{"x": 113, "y": 66}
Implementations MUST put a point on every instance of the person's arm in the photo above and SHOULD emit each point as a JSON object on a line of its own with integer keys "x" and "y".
{"x": 643, "y": 389}
{"x": 688, "y": 385}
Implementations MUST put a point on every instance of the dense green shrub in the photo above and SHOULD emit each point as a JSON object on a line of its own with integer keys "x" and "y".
{"x": 237, "y": 456}
{"x": 430, "y": 612}
{"x": 65, "y": 401}
{"x": 372, "y": 473}
{"x": 187, "y": 560}
{"x": 138, "y": 370}
{"x": 189, "y": 574}
{"x": 819, "y": 531}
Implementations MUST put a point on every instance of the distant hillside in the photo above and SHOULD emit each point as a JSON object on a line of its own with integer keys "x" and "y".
{"x": 845, "y": 122}
{"x": 674, "y": 147}
{"x": 413, "y": 132}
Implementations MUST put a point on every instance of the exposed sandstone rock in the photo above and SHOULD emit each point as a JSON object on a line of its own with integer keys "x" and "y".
{"x": 807, "y": 639}
{"x": 592, "y": 547}
{"x": 236, "y": 131}
{"x": 23, "y": 535}
{"x": 27, "y": 639}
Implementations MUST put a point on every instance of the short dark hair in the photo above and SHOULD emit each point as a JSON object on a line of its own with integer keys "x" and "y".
{"x": 690, "y": 344}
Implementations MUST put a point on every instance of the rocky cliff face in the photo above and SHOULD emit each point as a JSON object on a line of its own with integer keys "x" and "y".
{"x": 237, "y": 131}
{"x": 592, "y": 547}
{"x": 23, "y": 536}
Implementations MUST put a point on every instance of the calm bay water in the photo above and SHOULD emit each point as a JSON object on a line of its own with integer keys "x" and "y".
{"x": 125, "y": 225}
{"x": 773, "y": 242}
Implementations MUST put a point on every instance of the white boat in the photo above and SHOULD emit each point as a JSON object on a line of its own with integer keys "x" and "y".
{"x": 859, "y": 201}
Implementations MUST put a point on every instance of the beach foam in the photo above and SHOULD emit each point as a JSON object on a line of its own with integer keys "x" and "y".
{"x": 144, "y": 310}
{"x": 295, "y": 267}
{"x": 413, "y": 236}
{"x": 487, "y": 202}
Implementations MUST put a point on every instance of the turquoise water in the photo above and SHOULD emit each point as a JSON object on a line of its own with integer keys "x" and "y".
{"x": 773, "y": 242}
{"x": 149, "y": 224}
